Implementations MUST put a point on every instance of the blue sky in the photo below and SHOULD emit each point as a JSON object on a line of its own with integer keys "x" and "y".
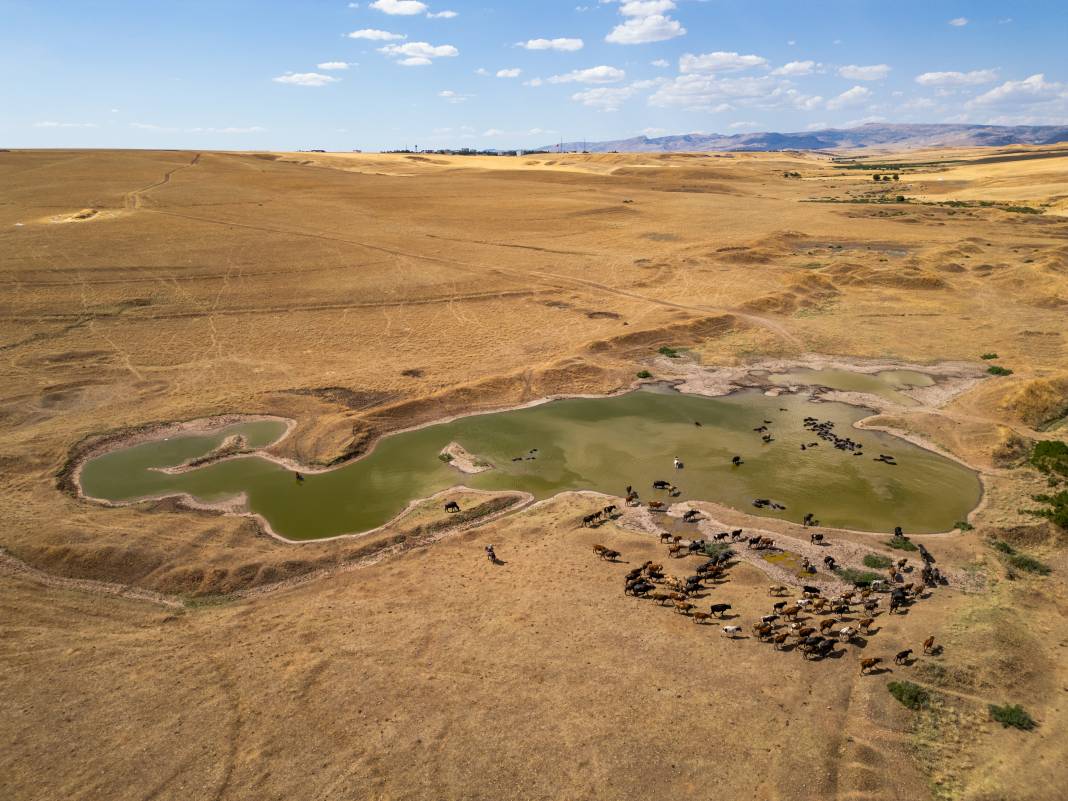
{"x": 268, "y": 74}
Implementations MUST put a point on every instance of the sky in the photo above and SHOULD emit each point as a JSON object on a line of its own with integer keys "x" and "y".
{"x": 386, "y": 74}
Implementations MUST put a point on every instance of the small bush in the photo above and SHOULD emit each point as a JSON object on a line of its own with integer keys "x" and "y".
{"x": 715, "y": 548}
{"x": 963, "y": 525}
{"x": 1057, "y": 511}
{"x": 900, "y": 198}
{"x": 989, "y": 356}
{"x": 911, "y": 695}
{"x": 445, "y": 457}
{"x": 996, "y": 369}
{"x": 901, "y": 544}
{"x": 860, "y": 578}
{"x": 1012, "y": 715}
{"x": 1004, "y": 547}
{"x": 1050, "y": 456}
{"x": 1029, "y": 563}
{"x": 671, "y": 353}
{"x": 644, "y": 374}
{"x": 877, "y": 561}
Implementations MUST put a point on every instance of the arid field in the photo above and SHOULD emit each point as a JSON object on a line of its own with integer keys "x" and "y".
{"x": 155, "y": 652}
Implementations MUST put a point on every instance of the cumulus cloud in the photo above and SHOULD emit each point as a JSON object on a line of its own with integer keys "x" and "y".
{"x": 850, "y": 97}
{"x": 418, "y": 54}
{"x": 533, "y": 82}
{"x": 645, "y": 8}
{"x": 641, "y": 30}
{"x": 1030, "y": 91}
{"x": 661, "y": 62}
{"x": 511, "y": 72}
{"x": 54, "y": 124}
{"x": 957, "y": 78}
{"x": 796, "y": 68}
{"x": 404, "y": 8}
{"x": 376, "y": 35}
{"x": 551, "y": 44}
{"x": 441, "y": 14}
{"x": 958, "y": 22}
{"x": 305, "y": 79}
{"x": 719, "y": 61}
{"x": 710, "y": 92}
{"x": 601, "y": 74}
{"x": 873, "y": 72}
{"x": 333, "y": 65}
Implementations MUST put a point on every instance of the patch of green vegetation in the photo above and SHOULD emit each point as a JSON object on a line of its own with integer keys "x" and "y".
{"x": 1004, "y": 547}
{"x": 1021, "y": 561}
{"x": 671, "y": 353}
{"x": 989, "y": 356}
{"x": 1012, "y": 715}
{"x": 877, "y": 561}
{"x": 901, "y": 544}
{"x": 860, "y": 578}
{"x": 715, "y": 548}
{"x": 445, "y": 457}
{"x": 963, "y": 525}
{"x": 1057, "y": 511}
{"x": 997, "y": 369}
{"x": 1050, "y": 456}
{"x": 644, "y": 374}
{"x": 1022, "y": 209}
{"x": 908, "y": 693}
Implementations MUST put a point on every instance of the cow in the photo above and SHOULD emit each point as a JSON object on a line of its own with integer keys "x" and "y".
{"x": 846, "y": 633}
{"x": 683, "y": 607}
{"x": 691, "y": 515}
{"x": 827, "y": 624}
{"x": 777, "y": 589}
{"x": 609, "y": 555}
{"x": 762, "y": 630}
{"x": 769, "y": 618}
{"x": 656, "y": 506}
{"x": 731, "y": 631}
{"x": 700, "y": 617}
{"x": 815, "y": 539}
{"x": 665, "y": 536}
{"x": 661, "y": 484}
{"x": 928, "y": 644}
{"x": 866, "y": 623}
{"x": 902, "y": 656}
{"x": 779, "y": 606}
{"x": 590, "y": 519}
{"x": 452, "y": 506}
{"x": 599, "y": 549}
{"x": 867, "y": 664}
{"x": 608, "y": 511}
{"x": 780, "y": 640}
{"x": 809, "y": 591}
{"x": 719, "y": 609}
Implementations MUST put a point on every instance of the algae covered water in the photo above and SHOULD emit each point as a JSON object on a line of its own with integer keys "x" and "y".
{"x": 600, "y": 444}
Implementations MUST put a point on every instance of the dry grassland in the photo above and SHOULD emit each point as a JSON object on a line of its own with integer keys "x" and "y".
{"x": 361, "y": 293}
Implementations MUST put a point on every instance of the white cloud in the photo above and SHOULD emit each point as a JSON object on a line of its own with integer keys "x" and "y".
{"x": 641, "y": 30}
{"x": 418, "y": 54}
{"x": 482, "y": 71}
{"x": 957, "y": 78}
{"x": 533, "y": 82}
{"x": 601, "y": 74}
{"x": 354, "y": 5}
{"x": 796, "y": 68}
{"x": 512, "y": 72}
{"x": 1030, "y": 91}
{"x": 719, "y": 61}
{"x": 453, "y": 97}
{"x": 712, "y": 93}
{"x": 54, "y": 124}
{"x": 441, "y": 14}
{"x": 404, "y": 8}
{"x": 958, "y": 22}
{"x": 493, "y": 132}
{"x": 661, "y": 62}
{"x": 604, "y": 98}
{"x": 873, "y": 72}
{"x": 306, "y": 79}
{"x": 333, "y": 65}
{"x": 376, "y": 35}
{"x": 645, "y": 8}
{"x": 850, "y": 97}
{"x": 551, "y": 44}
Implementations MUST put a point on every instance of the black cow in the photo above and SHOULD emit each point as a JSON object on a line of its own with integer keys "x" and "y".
{"x": 719, "y": 609}
{"x": 452, "y": 506}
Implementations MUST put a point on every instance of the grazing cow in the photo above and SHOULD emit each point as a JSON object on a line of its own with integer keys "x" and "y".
{"x": 700, "y": 617}
{"x": 656, "y": 506}
{"x": 452, "y": 506}
{"x": 665, "y": 536}
{"x": 691, "y": 515}
{"x": 719, "y": 609}
{"x": 827, "y": 624}
{"x": 829, "y": 562}
{"x": 867, "y": 664}
{"x": 736, "y": 461}
{"x": 901, "y": 656}
{"x": 732, "y": 631}
{"x": 866, "y": 623}
{"x": 816, "y": 539}
{"x": 818, "y": 604}
{"x": 780, "y": 640}
{"x": 777, "y": 589}
{"x": 928, "y": 644}
{"x": 609, "y": 555}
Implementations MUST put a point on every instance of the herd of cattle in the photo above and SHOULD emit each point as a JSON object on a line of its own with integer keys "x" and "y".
{"x": 813, "y": 625}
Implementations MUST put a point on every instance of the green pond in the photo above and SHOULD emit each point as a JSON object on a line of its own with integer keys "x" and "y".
{"x": 597, "y": 444}
{"x": 887, "y": 384}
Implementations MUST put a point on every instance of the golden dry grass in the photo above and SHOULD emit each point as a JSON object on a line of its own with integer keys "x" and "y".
{"x": 362, "y": 293}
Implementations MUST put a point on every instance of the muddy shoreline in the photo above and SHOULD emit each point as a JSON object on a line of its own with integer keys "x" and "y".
{"x": 951, "y": 380}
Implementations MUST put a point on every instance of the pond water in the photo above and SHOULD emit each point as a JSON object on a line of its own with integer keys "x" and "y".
{"x": 599, "y": 444}
{"x": 887, "y": 384}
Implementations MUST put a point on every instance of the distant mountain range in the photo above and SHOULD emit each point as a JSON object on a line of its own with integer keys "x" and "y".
{"x": 864, "y": 136}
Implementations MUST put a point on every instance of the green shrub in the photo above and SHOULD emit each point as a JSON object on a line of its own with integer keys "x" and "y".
{"x": 1050, "y": 456}
{"x": 963, "y": 525}
{"x": 996, "y": 369}
{"x": 445, "y": 457}
{"x": 861, "y": 578}
{"x": 671, "y": 353}
{"x": 644, "y": 374}
{"x": 715, "y": 548}
{"x": 1004, "y": 547}
{"x": 1057, "y": 511}
{"x": 1029, "y": 563}
{"x": 989, "y": 356}
{"x": 901, "y": 544}
{"x": 911, "y": 695}
{"x": 878, "y": 561}
{"x": 1012, "y": 715}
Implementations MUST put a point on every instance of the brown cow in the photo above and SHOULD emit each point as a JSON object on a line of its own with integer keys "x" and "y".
{"x": 780, "y": 639}
{"x": 777, "y": 589}
{"x": 599, "y": 549}
{"x": 791, "y": 611}
{"x": 700, "y": 617}
{"x": 869, "y": 663}
{"x": 928, "y": 644}
{"x": 683, "y": 607}
{"x": 866, "y": 623}
{"x": 827, "y": 624}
